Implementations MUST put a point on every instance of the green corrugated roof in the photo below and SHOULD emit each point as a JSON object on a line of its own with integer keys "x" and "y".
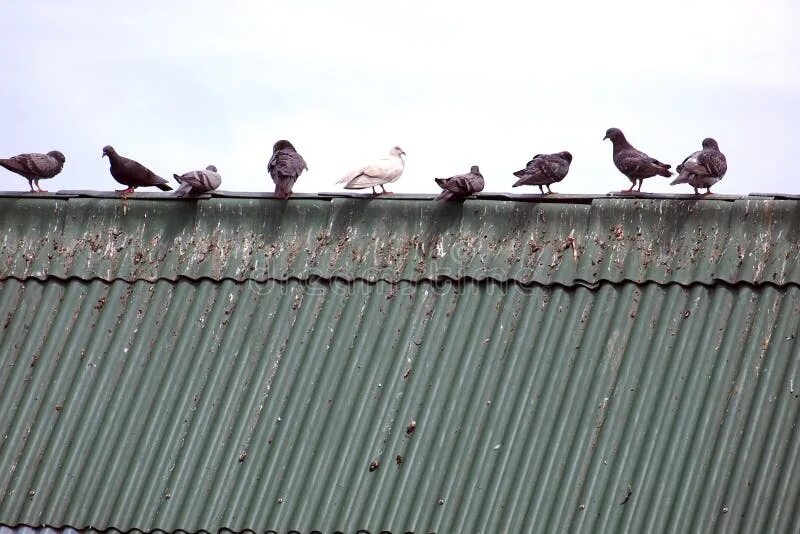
{"x": 638, "y": 240}
{"x": 236, "y": 363}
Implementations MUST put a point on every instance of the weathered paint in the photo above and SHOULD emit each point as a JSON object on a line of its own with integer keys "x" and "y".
{"x": 639, "y": 240}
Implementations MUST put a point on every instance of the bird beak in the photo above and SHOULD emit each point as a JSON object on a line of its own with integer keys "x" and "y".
{"x": 606, "y": 137}
{"x": 104, "y": 155}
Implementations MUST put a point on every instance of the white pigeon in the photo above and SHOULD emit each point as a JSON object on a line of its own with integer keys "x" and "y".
{"x": 383, "y": 171}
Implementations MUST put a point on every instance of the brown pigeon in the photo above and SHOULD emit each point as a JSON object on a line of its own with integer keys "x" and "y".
{"x": 197, "y": 182}
{"x": 634, "y": 164}
{"x": 703, "y": 168}
{"x": 132, "y": 173}
{"x": 35, "y": 167}
{"x": 543, "y": 170}
{"x": 462, "y": 185}
{"x": 285, "y": 166}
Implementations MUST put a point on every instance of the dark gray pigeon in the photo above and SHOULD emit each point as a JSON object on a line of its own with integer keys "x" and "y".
{"x": 544, "y": 169}
{"x": 285, "y": 166}
{"x": 634, "y": 164}
{"x": 462, "y": 185}
{"x": 132, "y": 173}
{"x": 197, "y": 182}
{"x": 35, "y": 167}
{"x": 703, "y": 168}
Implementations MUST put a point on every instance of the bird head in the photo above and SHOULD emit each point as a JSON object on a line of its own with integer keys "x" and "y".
{"x": 710, "y": 142}
{"x": 615, "y": 134}
{"x": 107, "y": 151}
{"x": 566, "y": 155}
{"x": 397, "y": 151}
{"x": 281, "y": 145}
{"x": 211, "y": 168}
{"x": 57, "y": 156}
{"x": 474, "y": 169}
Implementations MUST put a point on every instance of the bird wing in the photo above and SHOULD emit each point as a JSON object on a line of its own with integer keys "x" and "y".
{"x": 286, "y": 164}
{"x": 380, "y": 172}
{"x": 200, "y": 180}
{"x": 133, "y": 173}
{"x": 536, "y": 172}
{"x": 714, "y": 162}
{"x": 33, "y": 165}
{"x": 462, "y": 184}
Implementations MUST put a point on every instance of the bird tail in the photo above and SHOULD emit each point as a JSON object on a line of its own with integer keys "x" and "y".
{"x": 283, "y": 187}
{"x": 683, "y": 178}
{"x": 445, "y": 195}
{"x": 183, "y": 191}
{"x": 519, "y": 173}
{"x": 7, "y": 163}
{"x": 663, "y": 168}
{"x": 164, "y": 187}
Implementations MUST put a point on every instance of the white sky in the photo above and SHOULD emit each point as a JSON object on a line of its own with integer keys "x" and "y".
{"x": 455, "y": 83}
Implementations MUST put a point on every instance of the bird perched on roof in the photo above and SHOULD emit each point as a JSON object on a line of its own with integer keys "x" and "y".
{"x": 197, "y": 182}
{"x": 285, "y": 166}
{"x": 634, "y": 164}
{"x": 132, "y": 173}
{"x": 703, "y": 168}
{"x": 461, "y": 186}
{"x": 35, "y": 167}
{"x": 383, "y": 171}
{"x": 543, "y": 170}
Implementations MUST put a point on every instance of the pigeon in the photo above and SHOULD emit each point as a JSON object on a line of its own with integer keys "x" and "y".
{"x": 634, "y": 164}
{"x": 543, "y": 170}
{"x": 284, "y": 167}
{"x": 35, "y": 167}
{"x": 197, "y": 182}
{"x": 383, "y": 171}
{"x": 461, "y": 186}
{"x": 132, "y": 173}
{"x": 703, "y": 168}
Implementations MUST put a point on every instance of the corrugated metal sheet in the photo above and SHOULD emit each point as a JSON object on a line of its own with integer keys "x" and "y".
{"x": 639, "y": 240}
{"x": 205, "y": 405}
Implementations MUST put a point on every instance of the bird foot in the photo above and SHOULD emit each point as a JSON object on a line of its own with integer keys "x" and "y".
{"x": 125, "y": 192}
{"x": 41, "y": 191}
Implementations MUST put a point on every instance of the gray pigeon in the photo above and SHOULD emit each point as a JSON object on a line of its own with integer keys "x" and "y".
{"x": 197, "y": 182}
{"x": 634, "y": 164}
{"x": 132, "y": 173}
{"x": 35, "y": 167}
{"x": 543, "y": 170}
{"x": 285, "y": 166}
{"x": 462, "y": 185}
{"x": 383, "y": 171}
{"x": 703, "y": 168}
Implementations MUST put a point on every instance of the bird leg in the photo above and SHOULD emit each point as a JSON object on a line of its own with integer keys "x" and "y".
{"x": 708, "y": 191}
{"x": 696, "y": 191}
{"x": 541, "y": 189}
{"x": 30, "y": 184}
{"x": 549, "y": 191}
{"x": 126, "y": 192}
{"x": 633, "y": 184}
{"x": 385, "y": 192}
{"x": 641, "y": 180}
{"x": 36, "y": 181}
{"x": 374, "y": 193}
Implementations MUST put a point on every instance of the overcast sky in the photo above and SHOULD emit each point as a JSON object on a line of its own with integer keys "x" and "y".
{"x": 455, "y": 83}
